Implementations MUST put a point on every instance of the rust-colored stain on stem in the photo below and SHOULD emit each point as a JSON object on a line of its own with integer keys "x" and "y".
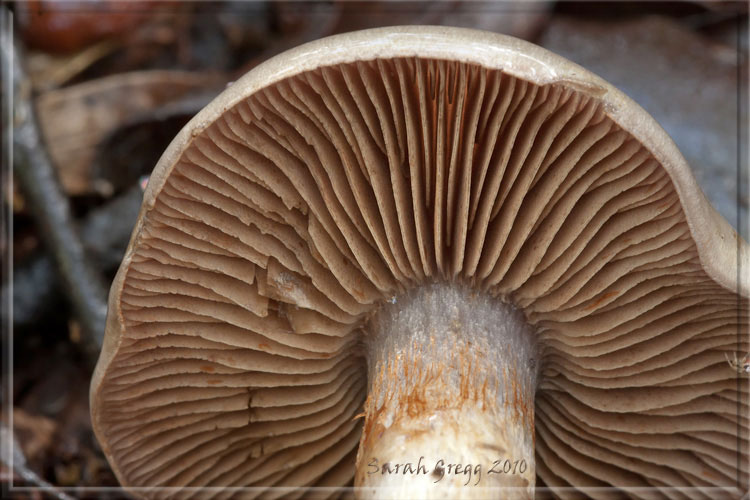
{"x": 422, "y": 380}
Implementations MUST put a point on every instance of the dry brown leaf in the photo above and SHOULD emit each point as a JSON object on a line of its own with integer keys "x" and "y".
{"x": 74, "y": 120}
{"x": 35, "y": 432}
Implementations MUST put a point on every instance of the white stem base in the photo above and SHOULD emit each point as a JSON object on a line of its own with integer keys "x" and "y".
{"x": 450, "y": 408}
{"x": 453, "y": 454}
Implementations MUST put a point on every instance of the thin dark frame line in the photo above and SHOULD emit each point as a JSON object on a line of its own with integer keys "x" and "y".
{"x": 325, "y": 9}
{"x": 8, "y": 101}
{"x": 739, "y": 221}
{"x": 319, "y": 9}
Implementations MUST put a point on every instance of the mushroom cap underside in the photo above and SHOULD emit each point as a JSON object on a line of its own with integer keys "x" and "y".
{"x": 340, "y": 174}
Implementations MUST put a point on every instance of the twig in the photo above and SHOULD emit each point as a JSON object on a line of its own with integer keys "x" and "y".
{"x": 12, "y": 456}
{"x": 105, "y": 232}
{"x": 39, "y": 184}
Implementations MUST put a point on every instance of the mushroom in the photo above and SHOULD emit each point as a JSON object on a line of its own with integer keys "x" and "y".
{"x": 434, "y": 261}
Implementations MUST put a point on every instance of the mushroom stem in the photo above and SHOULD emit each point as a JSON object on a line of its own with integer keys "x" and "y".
{"x": 450, "y": 409}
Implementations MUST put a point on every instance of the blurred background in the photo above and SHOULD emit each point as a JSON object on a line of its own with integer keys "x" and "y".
{"x": 101, "y": 87}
